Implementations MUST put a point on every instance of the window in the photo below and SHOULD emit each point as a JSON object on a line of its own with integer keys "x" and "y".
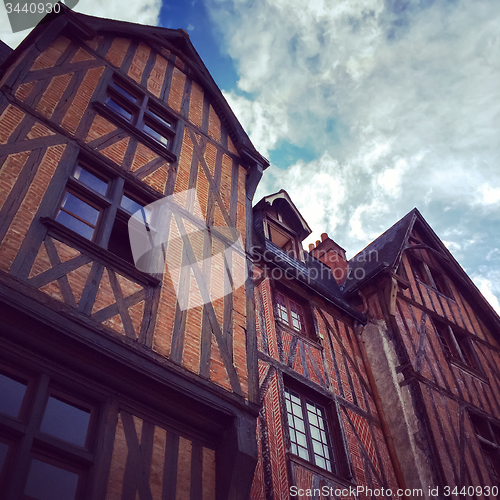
{"x": 98, "y": 208}
{"x": 291, "y": 313}
{"x": 140, "y": 111}
{"x": 47, "y": 439}
{"x": 430, "y": 276}
{"x": 310, "y": 433}
{"x": 456, "y": 344}
{"x": 283, "y": 239}
{"x": 488, "y": 435}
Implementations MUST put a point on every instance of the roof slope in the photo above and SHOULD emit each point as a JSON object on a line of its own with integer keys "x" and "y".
{"x": 382, "y": 253}
{"x": 177, "y": 41}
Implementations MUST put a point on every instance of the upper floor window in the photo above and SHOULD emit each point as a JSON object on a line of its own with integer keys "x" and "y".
{"x": 97, "y": 206}
{"x": 431, "y": 276}
{"x": 456, "y": 344}
{"x": 141, "y": 112}
{"x": 292, "y": 312}
{"x": 311, "y": 431}
{"x": 54, "y": 460}
{"x": 488, "y": 435}
{"x": 283, "y": 238}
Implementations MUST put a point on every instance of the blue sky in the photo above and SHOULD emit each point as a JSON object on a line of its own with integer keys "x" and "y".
{"x": 365, "y": 108}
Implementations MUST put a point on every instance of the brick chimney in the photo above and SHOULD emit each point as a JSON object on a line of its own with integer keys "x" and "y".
{"x": 332, "y": 255}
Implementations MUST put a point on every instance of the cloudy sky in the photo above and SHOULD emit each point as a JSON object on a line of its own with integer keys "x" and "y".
{"x": 365, "y": 108}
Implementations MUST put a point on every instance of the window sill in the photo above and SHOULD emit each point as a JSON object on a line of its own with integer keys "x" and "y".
{"x": 302, "y": 336}
{"x": 141, "y": 136}
{"x": 345, "y": 481}
{"x": 108, "y": 258}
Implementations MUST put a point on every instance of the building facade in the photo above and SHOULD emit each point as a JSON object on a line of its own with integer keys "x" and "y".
{"x": 209, "y": 355}
{"x": 114, "y": 385}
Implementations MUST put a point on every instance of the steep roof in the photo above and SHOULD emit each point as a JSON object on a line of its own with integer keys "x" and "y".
{"x": 386, "y": 253}
{"x": 380, "y": 254}
{"x": 177, "y": 41}
{"x": 281, "y": 200}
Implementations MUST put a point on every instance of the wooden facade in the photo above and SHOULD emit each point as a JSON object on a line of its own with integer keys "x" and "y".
{"x": 98, "y": 117}
{"x": 308, "y": 345}
{"x": 377, "y": 377}
{"x": 439, "y": 372}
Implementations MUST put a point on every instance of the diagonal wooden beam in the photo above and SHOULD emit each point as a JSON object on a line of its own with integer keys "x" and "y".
{"x": 122, "y": 307}
{"x": 198, "y": 151}
{"x": 214, "y": 323}
{"x": 112, "y": 310}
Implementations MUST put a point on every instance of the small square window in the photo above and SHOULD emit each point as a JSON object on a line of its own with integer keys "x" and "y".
{"x": 291, "y": 313}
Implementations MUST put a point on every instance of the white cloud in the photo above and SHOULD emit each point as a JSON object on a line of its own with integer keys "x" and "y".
{"x": 140, "y": 11}
{"x": 489, "y": 286}
{"x": 405, "y": 103}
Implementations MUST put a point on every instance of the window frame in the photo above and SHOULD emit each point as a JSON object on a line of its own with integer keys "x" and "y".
{"x": 145, "y": 111}
{"x": 109, "y": 205}
{"x": 429, "y": 276}
{"x": 490, "y": 443}
{"x": 457, "y": 345}
{"x": 290, "y": 298}
{"x": 27, "y": 442}
{"x": 334, "y": 440}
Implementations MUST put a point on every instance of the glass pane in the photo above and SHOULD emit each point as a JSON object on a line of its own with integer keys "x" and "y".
{"x": 297, "y": 410}
{"x": 75, "y": 225}
{"x": 315, "y": 433}
{"x": 320, "y": 462}
{"x": 48, "y": 482}
{"x": 111, "y": 103}
{"x": 157, "y": 136}
{"x": 4, "y": 448}
{"x": 123, "y": 92}
{"x": 156, "y": 116}
{"x": 303, "y": 453}
{"x": 301, "y": 439}
{"x": 90, "y": 180}
{"x": 65, "y": 421}
{"x": 132, "y": 206}
{"x": 78, "y": 207}
{"x": 299, "y": 424}
{"x": 12, "y": 395}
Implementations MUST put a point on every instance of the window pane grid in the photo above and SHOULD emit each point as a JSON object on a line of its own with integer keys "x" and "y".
{"x": 308, "y": 431}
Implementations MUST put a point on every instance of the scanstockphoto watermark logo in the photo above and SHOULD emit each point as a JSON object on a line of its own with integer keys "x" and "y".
{"x": 24, "y": 15}
{"x": 204, "y": 262}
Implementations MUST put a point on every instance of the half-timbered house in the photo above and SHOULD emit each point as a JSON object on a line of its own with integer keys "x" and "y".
{"x": 115, "y": 382}
{"x": 320, "y": 430}
{"x": 222, "y": 361}
{"x": 432, "y": 343}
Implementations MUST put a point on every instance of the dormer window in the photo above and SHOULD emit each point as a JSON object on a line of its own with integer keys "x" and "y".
{"x": 283, "y": 238}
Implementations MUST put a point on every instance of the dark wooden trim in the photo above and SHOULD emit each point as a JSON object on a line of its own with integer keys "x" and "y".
{"x": 186, "y": 99}
{"x": 147, "y": 69}
{"x": 48, "y": 74}
{"x": 104, "y": 450}
{"x": 19, "y": 190}
{"x": 167, "y": 81}
{"x": 122, "y": 307}
{"x": 31, "y": 144}
{"x": 129, "y": 56}
{"x": 170, "y": 467}
{"x": 150, "y": 167}
{"x": 196, "y": 489}
{"x": 108, "y": 139}
{"x": 21, "y": 131}
{"x": 103, "y": 47}
{"x": 206, "y": 113}
{"x": 132, "y": 130}
{"x": 106, "y": 257}
{"x": 233, "y": 205}
{"x": 219, "y": 335}
{"x": 91, "y": 288}
{"x": 135, "y": 478}
{"x": 198, "y": 151}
